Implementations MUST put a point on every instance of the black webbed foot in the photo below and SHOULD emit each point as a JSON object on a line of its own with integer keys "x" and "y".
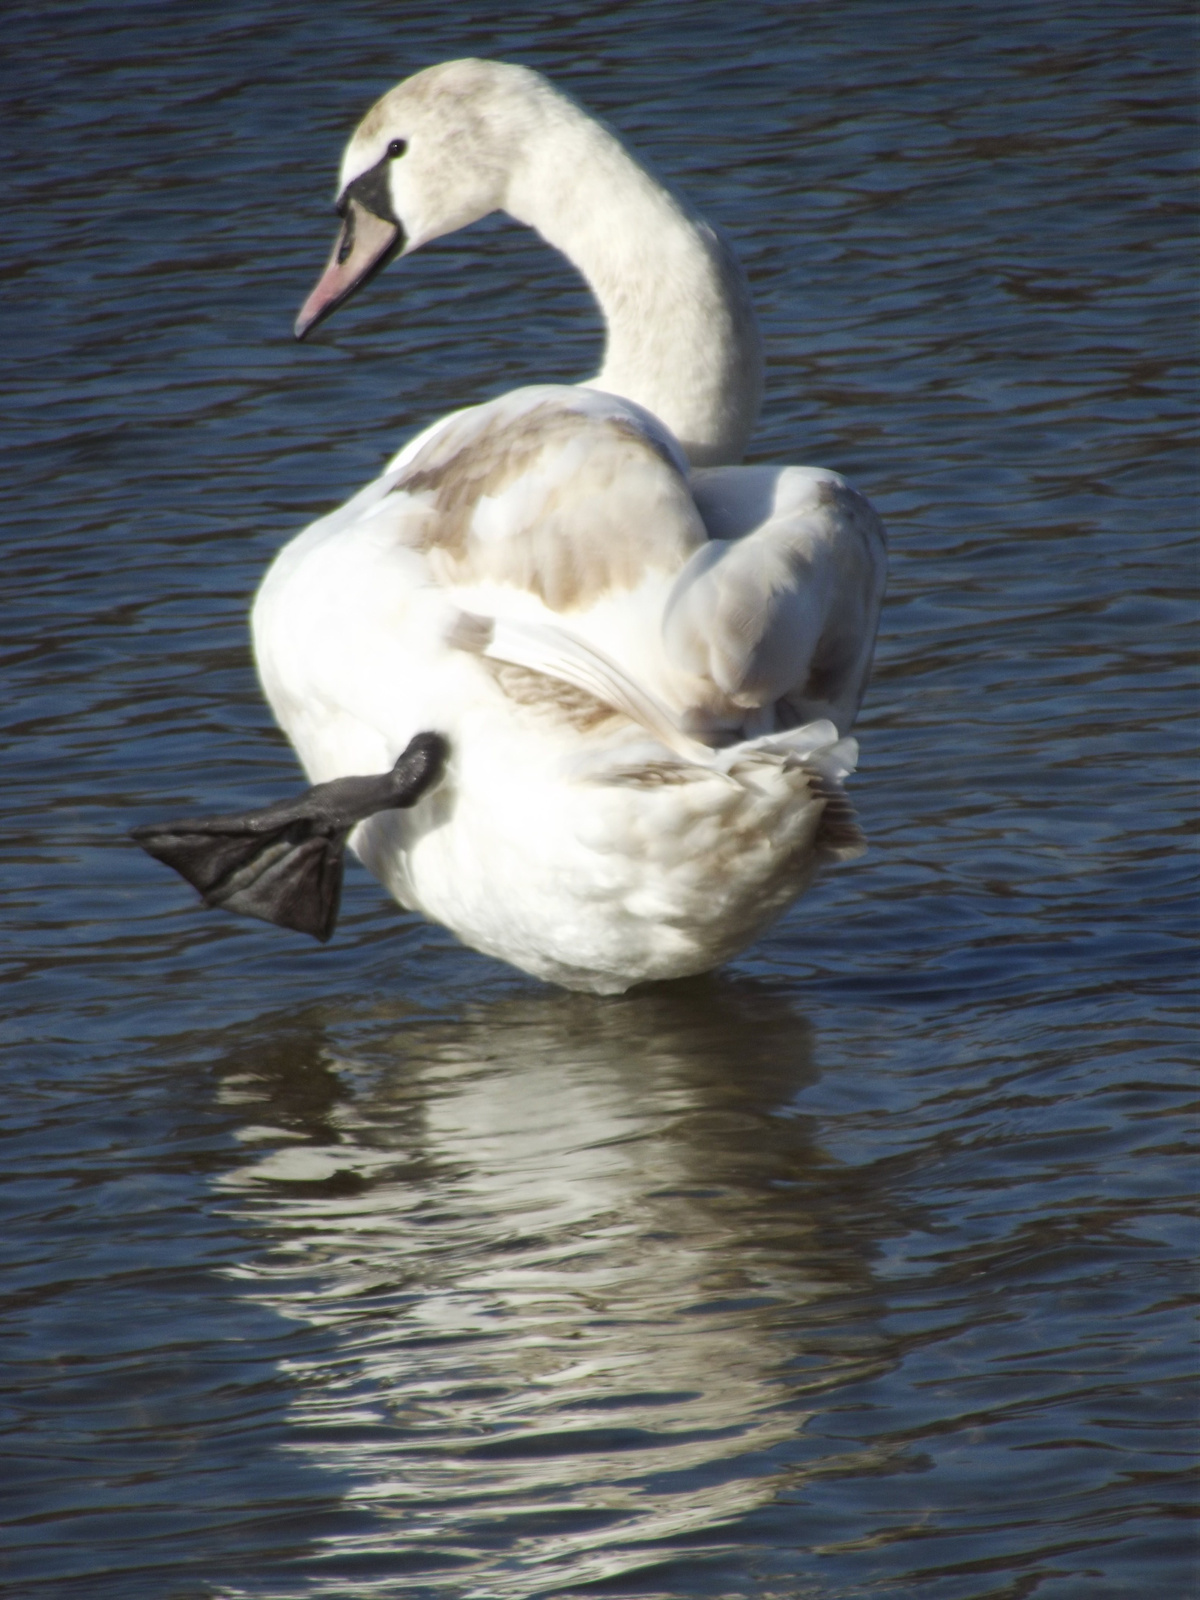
{"x": 284, "y": 863}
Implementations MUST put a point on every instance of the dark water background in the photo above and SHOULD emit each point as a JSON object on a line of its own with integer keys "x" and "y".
{"x": 859, "y": 1269}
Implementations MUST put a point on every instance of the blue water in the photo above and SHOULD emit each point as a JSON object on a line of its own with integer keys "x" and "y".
{"x": 858, "y": 1269}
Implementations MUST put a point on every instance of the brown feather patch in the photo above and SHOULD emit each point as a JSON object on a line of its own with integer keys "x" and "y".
{"x": 563, "y": 701}
{"x": 839, "y": 835}
{"x": 602, "y": 502}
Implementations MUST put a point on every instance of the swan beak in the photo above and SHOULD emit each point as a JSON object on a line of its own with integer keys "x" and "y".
{"x": 365, "y": 243}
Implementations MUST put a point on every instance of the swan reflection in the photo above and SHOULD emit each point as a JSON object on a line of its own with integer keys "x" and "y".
{"x": 579, "y": 1268}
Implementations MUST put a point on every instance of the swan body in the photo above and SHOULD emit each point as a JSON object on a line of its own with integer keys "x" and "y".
{"x": 644, "y": 660}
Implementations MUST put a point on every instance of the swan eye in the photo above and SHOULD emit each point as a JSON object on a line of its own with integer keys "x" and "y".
{"x": 397, "y": 148}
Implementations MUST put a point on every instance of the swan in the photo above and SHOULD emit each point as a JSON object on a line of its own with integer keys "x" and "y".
{"x": 566, "y": 678}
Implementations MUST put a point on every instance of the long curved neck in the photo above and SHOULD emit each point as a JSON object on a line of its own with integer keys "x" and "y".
{"x": 682, "y": 338}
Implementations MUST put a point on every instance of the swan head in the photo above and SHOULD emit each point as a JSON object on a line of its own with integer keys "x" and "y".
{"x": 433, "y": 155}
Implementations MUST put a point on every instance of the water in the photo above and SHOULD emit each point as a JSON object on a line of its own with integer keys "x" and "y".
{"x": 857, "y": 1269}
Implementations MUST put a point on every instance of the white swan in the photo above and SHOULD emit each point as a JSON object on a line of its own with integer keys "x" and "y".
{"x": 640, "y": 663}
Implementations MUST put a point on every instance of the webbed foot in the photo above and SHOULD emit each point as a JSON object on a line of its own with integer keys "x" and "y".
{"x": 284, "y": 863}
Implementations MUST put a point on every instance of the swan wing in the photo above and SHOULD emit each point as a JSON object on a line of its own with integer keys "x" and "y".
{"x": 781, "y": 605}
{"x": 558, "y": 654}
{"x": 555, "y": 530}
{"x": 539, "y": 507}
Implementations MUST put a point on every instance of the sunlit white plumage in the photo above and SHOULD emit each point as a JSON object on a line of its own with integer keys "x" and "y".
{"x": 645, "y": 660}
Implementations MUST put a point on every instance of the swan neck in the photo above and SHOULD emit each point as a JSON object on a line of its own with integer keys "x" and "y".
{"x": 681, "y": 335}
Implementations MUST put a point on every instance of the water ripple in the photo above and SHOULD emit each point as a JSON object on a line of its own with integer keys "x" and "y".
{"x": 379, "y": 1270}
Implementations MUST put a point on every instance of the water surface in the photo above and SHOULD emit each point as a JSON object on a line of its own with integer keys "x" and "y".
{"x": 859, "y": 1268}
